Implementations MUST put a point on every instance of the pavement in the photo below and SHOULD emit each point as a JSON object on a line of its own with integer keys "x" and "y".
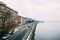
{"x": 22, "y": 30}
{"x": 19, "y": 35}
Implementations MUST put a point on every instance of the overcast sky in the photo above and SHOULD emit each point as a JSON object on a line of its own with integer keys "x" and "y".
{"x": 36, "y": 9}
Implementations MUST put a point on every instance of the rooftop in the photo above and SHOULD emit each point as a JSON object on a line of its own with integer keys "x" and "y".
{"x": 2, "y": 3}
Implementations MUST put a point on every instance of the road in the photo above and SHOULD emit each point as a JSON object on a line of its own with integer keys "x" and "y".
{"x": 19, "y": 35}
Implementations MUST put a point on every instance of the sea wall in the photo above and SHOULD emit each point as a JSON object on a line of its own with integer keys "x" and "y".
{"x": 30, "y": 33}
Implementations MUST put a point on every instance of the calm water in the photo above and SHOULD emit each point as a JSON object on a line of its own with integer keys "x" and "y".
{"x": 48, "y": 31}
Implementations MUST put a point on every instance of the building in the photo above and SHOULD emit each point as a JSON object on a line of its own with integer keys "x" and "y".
{"x": 9, "y": 18}
{"x": 13, "y": 15}
{"x": 19, "y": 19}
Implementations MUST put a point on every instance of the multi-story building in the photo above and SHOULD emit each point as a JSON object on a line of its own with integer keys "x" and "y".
{"x": 8, "y": 19}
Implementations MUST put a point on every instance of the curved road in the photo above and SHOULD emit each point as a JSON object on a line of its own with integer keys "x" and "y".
{"x": 18, "y": 36}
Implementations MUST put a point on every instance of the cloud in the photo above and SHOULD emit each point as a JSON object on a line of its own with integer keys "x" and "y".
{"x": 37, "y": 9}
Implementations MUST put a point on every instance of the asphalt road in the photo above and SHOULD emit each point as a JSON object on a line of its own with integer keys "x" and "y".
{"x": 19, "y": 35}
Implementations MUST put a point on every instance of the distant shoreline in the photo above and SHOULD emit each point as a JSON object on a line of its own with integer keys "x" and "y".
{"x": 51, "y": 21}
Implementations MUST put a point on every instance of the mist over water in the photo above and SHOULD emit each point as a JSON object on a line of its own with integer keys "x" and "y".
{"x": 48, "y": 31}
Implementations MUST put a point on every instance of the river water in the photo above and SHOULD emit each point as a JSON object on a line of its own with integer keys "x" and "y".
{"x": 47, "y": 31}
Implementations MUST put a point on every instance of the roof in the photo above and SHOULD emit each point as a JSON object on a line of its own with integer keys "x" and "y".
{"x": 3, "y": 4}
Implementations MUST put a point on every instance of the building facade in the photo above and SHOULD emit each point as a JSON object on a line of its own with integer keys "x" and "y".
{"x": 8, "y": 18}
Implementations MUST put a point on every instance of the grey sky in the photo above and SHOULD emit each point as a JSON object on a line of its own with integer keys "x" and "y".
{"x": 36, "y": 9}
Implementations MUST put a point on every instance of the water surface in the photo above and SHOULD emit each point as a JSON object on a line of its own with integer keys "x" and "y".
{"x": 47, "y": 31}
